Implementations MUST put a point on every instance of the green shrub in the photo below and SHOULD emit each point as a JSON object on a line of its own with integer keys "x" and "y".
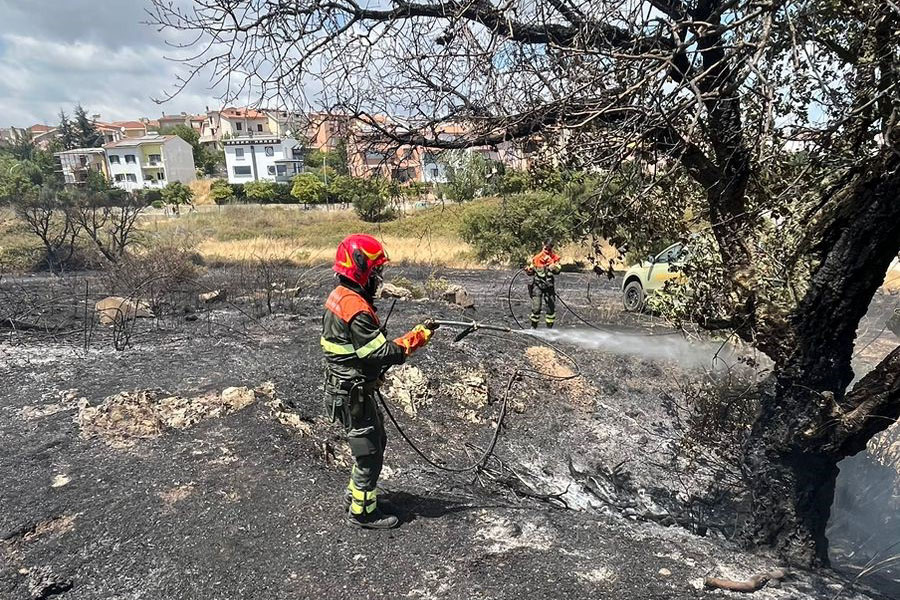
{"x": 221, "y": 192}
{"x": 514, "y": 229}
{"x": 371, "y": 202}
{"x": 176, "y": 194}
{"x": 514, "y": 182}
{"x": 283, "y": 193}
{"x": 263, "y": 192}
{"x": 158, "y": 204}
{"x": 308, "y": 189}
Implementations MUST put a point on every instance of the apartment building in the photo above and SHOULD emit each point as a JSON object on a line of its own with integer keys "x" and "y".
{"x": 261, "y": 158}
{"x": 233, "y": 122}
{"x": 151, "y": 161}
{"x": 75, "y": 165}
{"x": 195, "y": 122}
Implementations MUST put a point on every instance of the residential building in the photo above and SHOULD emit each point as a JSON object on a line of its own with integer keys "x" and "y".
{"x": 131, "y": 129}
{"x": 325, "y": 130}
{"x": 11, "y": 135}
{"x": 233, "y": 122}
{"x": 42, "y": 135}
{"x": 151, "y": 161}
{"x": 75, "y": 165}
{"x": 261, "y": 158}
{"x": 195, "y": 122}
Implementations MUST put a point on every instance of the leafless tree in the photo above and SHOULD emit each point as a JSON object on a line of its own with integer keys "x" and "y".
{"x": 108, "y": 219}
{"x": 781, "y": 114}
{"x": 45, "y": 213}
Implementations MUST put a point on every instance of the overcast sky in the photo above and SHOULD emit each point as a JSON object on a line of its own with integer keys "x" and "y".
{"x": 57, "y": 53}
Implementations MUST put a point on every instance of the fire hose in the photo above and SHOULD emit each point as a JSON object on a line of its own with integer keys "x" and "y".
{"x": 469, "y": 327}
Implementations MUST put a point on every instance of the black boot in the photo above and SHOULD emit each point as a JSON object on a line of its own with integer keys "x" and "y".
{"x": 373, "y": 520}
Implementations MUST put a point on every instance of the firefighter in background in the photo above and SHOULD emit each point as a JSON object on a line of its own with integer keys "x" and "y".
{"x": 357, "y": 354}
{"x": 542, "y": 289}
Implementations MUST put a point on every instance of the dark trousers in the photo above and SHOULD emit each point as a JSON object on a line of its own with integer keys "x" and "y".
{"x": 364, "y": 424}
{"x": 546, "y": 296}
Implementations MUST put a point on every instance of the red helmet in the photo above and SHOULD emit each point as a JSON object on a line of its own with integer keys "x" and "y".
{"x": 357, "y": 256}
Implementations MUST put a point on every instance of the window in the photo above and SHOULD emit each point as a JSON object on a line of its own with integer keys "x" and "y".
{"x": 129, "y": 159}
{"x": 161, "y": 176}
{"x": 270, "y": 151}
{"x": 271, "y": 169}
{"x": 670, "y": 254}
{"x": 239, "y": 153}
{"x": 259, "y": 126}
{"x": 131, "y": 177}
{"x": 238, "y": 126}
{"x": 242, "y": 171}
{"x": 435, "y": 173}
{"x": 282, "y": 170}
{"x": 155, "y": 158}
{"x": 120, "y": 177}
{"x": 375, "y": 156}
{"x": 148, "y": 177}
{"x": 113, "y": 159}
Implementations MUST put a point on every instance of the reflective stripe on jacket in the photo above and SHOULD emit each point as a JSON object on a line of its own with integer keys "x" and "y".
{"x": 355, "y": 347}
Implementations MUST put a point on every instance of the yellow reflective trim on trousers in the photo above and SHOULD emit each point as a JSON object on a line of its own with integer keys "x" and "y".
{"x": 339, "y": 349}
{"x": 372, "y": 346}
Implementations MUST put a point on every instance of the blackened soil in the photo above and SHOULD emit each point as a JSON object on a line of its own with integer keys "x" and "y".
{"x": 244, "y": 506}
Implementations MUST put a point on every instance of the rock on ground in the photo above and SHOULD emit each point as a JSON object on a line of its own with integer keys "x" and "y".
{"x": 115, "y": 308}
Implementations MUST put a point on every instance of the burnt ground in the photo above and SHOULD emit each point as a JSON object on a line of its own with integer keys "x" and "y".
{"x": 242, "y": 504}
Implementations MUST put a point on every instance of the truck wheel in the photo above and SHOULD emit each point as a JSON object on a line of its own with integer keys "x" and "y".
{"x": 633, "y": 296}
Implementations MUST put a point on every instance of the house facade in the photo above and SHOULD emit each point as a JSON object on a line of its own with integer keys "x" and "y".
{"x": 77, "y": 164}
{"x": 221, "y": 125}
{"x": 151, "y": 161}
{"x": 261, "y": 158}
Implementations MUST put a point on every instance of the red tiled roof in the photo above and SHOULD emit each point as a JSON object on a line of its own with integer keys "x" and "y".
{"x": 39, "y": 128}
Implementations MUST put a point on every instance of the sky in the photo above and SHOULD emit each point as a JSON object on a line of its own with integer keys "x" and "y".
{"x": 58, "y": 53}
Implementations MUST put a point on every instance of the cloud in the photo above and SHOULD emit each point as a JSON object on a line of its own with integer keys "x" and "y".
{"x": 58, "y": 54}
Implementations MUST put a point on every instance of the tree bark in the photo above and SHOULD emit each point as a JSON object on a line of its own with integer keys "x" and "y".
{"x": 808, "y": 421}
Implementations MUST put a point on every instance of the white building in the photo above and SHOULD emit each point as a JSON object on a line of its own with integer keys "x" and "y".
{"x": 263, "y": 159}
{"x": 151, "y": 161}
{"x": 233, "y": 122}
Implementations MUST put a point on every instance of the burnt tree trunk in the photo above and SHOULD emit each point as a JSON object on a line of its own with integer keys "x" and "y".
{"x": 809, "y": 421}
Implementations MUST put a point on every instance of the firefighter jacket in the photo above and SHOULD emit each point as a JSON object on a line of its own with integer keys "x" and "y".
{"x": 356, "y": 349}
{"x": 543, "y": 267}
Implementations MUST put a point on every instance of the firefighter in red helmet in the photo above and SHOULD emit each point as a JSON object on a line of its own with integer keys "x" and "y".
{"x": 356, "y": 356}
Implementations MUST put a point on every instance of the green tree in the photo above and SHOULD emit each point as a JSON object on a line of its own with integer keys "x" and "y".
{"x": 369, "y": 197}
{"x": 221, "y": 192}
{"x": 86, "y": 134}
{"x": 468, "y": 175}
{"x": 263, "y": 192}
{"x": 509, "y": 230}
{"x": 339, "y": 161}
{"x": 66, "y": 132}
{"x": 308, "y": 189}
{"x": 514, "y": 182}
{"x": 176, "y": 195}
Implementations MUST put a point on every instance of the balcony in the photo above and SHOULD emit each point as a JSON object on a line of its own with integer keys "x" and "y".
{"x": 152, "y": 164}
